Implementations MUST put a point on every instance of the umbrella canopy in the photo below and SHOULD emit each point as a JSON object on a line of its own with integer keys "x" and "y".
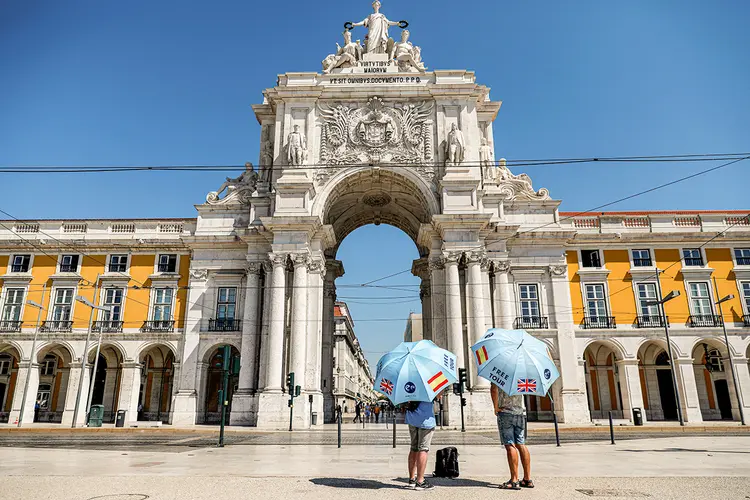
{"x": 515, "y": 361}
{"x": 415, "y": 371}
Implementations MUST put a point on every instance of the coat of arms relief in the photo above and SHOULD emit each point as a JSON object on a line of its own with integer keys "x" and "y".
{"x": 376, "y": 134}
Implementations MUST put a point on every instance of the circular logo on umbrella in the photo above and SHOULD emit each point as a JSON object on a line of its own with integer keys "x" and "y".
{"x": 491, "y": 334}
{"x": 547, "y": 374}
{"x": 410, "y": 388}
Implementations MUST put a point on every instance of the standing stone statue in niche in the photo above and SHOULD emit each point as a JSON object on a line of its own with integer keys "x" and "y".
{"x": 345, "y": 57}
{"x": 296, "y": 147}
{"x": 377, "y": 30}
{"x": 407, "y": 55}
{"x": 454, "y": 147}
{"x": 485, "y": 160}
{"x": 266, "y": 155}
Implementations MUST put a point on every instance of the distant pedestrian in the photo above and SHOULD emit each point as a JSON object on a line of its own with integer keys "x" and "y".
{"x": 367, "y": 413}
{"x": 377, "y": 413}
{"x": 511, "y": 422}
{"x": 37, "y": 407}
{"x": 421, "y": 421}
{"x": 357, "y": 413}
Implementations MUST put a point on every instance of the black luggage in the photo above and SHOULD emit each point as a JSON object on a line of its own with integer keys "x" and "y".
{"x": 446, "y": 463}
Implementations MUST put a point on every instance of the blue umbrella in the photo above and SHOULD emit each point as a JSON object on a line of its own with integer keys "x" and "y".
{"x": 415, "y": 371}
{"x": 515, "y": 361}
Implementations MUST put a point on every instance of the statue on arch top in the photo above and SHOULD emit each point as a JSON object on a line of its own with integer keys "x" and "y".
{"x": 407, "y": 55}
{"x": 345, "y": 56}
{"x": 377, "y": 30}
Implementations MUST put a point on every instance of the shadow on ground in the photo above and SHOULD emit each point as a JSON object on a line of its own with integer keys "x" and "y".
{"x": 371, "y": 484}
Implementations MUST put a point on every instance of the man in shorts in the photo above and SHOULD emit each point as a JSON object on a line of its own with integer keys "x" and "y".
{"x": 421, "y": 421}
{"x": 511, "y": 422}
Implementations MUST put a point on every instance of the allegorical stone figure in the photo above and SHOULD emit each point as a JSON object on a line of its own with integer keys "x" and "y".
{"x": 485, "y": 159}
{"x": 266, "y": 163}
{"x": 408, "y": 55}
{"x": 377, "y": 30}
{"x": 296, "y": 147}
{"x": 246, "y": 180}
{"x": 454, "y": 146}
{"x": 345, "y": 56}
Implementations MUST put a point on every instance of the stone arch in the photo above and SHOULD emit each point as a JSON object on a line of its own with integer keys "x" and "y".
{"x": 712, "y": 342}
{"x": 212, "y": 380}
{"x": 10, "y": 356}
{"x": 207, "y": 352}
{"x": 157, "y": 380}
{"x": 363, "y": 195}
{"x": 163, "y": 348}
{"x": 612, "y": 344}
{"x": 57, "y": 380}
{"x": 656, "y": 380}
{"x": 602, "y": 378}
{"x": 13, "y": 348}
{"x": 107, "y": 377}
{"x": 713, "y": 379}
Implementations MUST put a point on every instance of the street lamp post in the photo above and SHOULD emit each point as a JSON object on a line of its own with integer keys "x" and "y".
{"x": 40, "y": 308}
{"x": 729, "y": 353}
{"x": 660, "y": 303}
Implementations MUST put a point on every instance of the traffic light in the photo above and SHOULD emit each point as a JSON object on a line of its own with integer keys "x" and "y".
{"x": 462, "y": 376}
{"x": 290, "y": 382}
{"x": 297, "y": 391}
{"x": 226, "y": 357}
{"x": 456, "y": 388}
{"x": 463, "y": 401}
{"x": 235, "y": 365}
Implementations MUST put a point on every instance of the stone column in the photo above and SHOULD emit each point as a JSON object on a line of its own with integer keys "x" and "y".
{"x": 298, "y": 343}
{"x": 130, "y": 386}
{"x": 313, "y": 369}
{"x": 185, "y": 404}
{"x": 437, "y": 303}
{"x": 333, "y": 270}
{"x": 453, "y": 308}
{"x": 74, "y": 378}
{"x": 276, "y": 330}
{"x": 476, "y": 313}
{"x": 691, "y": 408}
{"x": 28, "y": 405}
{"x": 742, "y": 369}
{"x": 574, "y": 405}
{"x": 243, "y": 399}
{"x": 504, "y": 297}
{"x": 630, "y": 385}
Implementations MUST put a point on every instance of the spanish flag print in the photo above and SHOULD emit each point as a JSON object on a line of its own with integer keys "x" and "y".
{"x": 481, "y": 355}
{"x": 437, "y": 381}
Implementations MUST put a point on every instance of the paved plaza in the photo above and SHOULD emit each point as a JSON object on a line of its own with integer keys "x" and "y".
{"x": 682, "y": 467}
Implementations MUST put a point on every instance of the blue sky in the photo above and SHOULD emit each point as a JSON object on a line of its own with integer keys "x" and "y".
{"x": 171, "y": 83}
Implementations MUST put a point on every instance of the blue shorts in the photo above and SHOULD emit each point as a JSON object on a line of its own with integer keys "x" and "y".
{"x": 512, "y": 428}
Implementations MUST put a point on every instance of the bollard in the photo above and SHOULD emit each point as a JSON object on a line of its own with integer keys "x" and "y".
{"x": 554, "y": 418}
{"x": 394, "y": 429}
{"x": 339, "y": 428}
{"x": 611, "y": 429}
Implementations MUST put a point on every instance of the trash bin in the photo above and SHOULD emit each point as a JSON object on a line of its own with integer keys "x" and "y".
{"x": 120, "y": 421}
{"x": 637, "y": 416}
{"x": 315, "y": 418}
{"x": 96, "y": 415}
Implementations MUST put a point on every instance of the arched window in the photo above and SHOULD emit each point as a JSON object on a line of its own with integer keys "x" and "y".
{"x": 49, "y": 364}
{"x": 6, "y": 363}
{"x": 662, "y": 359}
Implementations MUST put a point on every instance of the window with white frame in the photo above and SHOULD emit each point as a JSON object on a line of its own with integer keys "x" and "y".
{"x": 49, "y": 364}
{"x": 167, "y": 263}
{"x": 591, "y": 258}
{"x": 642, "y": 258}
{"x": 43, "y": 395}
{"x": 746, "y": 295}
{"x": 742, "y": 256}
{"x": 6, "y": 363}
{"x": 113, "y": 300}
{"x": 63, "y": 304}
{"x": 647, "y": 293}
{"x": 69, "y": 264}
{"x": 700, "y": 299}
{"x": 596, "y": 303}
{"x": 162, "y": 304}
{"x": 529, "y": 295}
{"x": 20, "y": 264}
{"x": 692, "y": 256}
{"x": 227, "y": 303}
{"x": 13, "y": 304}
{"x": 118, "y": 263}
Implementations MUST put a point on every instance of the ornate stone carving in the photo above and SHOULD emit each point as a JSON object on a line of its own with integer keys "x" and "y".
{"x": 199, "y": 274}
{"x": 558, "y": 270}
{"x": 254, "y": 267}
{"x": 501, "y": 266}
{"x": 476, "y": 256}
{"x": 455, "y": 146}
{"x": 266, "y": 154}
{"x": 424, "y": 289}
{"x": 408, "y": 56}
{"x": 238, "y": 191}
{"x": 377, "y": 40}
{"x": 277, "y": 260}
{"x": 374, "y": 134}
{"x": 345, "y": 57}
{"x": 296, "y": 147}
{"x": 316, "y": 266}
{"x": 437, "y": 264}
{"x": 300, "y": 259}
{"x": 376, "y": 199}
{"x": 452, "y": 257}
{"x": 514, "y": 187}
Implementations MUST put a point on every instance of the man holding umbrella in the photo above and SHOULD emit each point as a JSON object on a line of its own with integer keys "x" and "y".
{"x": 517, "y": 364}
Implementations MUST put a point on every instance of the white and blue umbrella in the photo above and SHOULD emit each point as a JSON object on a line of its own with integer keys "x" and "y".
{"x": 515, "y": 361}
{"x": 415, "y": 371}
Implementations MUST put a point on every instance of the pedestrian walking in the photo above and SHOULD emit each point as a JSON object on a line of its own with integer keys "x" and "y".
{"x": 357, "y": 413}
{"x": 37, "y": 407}
{"x": 367, "y": 413}
{"x": 421, "y": 422}
{"x": 377, "y": 413}
{"x": 338, "y": 412}
{"x": 511, "y": 423}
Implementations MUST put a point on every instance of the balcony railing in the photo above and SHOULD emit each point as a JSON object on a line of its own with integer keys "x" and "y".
{"x": 19, "y": 268}
{"x": 10, "y": 326}
{"x": 599, "y": 322}
{"x": 531, "y": 322}
{"x": 694, "y": 261}
{"x": 743, "y": 261}
{"x": 68, "y": 268}
{"x": 746, "y": 319}
{"x": 107, "y": 326}
{"x": 167, "y": 268}
{"x": 57, "y": 326}
{"x": 650, "y": 321}
{"x": 642, "y": 263}
{"x": 224, "y": 325}
{"x": 159, "y": 326}
{"x": 705, "y": 320}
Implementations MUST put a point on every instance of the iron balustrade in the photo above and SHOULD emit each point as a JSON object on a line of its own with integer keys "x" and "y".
{"x": 705, "y": 320}
{"x": 743, "y": 261}
{"x": 532, "y": 322}
{"x": 107, "y": 326}
{"x": 650, "y": 321}
{"x": 68, "y": 268}
{"x": 65, "y": 326}
{"x": 158, "y": 326}
{"x": 694, "y": 261}
{"x": 224, "y": 325}
{"x": 746, "y": 319}
{"x": 10, "y": 326}
{"x": 591, "y": 322}
{"x": 642, "y": 262}
{"x": 19, "y": 268}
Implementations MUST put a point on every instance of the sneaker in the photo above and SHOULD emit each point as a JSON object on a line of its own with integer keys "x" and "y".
{"x": 424, "y": 485}
{"x": 413, "y": 483}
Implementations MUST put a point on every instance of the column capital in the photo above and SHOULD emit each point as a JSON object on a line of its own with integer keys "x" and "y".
{"x": 451, "y": 258}
{"x": 316, "y": 266}
{"x": 500, "y": 265}
{"x": 558, "y": 271}
{"x": 278, "y": 259}
{"x": 420, "y": 267}
{"x": 476, "y": 257}
{"x": 436, "y": 264}
{"x": 300, "y": 260}
{"x": 254, "y": 268}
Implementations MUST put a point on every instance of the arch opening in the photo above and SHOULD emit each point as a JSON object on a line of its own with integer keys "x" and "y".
{"x": 603, "y": 380}
{"x": 656, "y": 382}
{"x": 157, "y": 373}
{"x": 9, "y": 358}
